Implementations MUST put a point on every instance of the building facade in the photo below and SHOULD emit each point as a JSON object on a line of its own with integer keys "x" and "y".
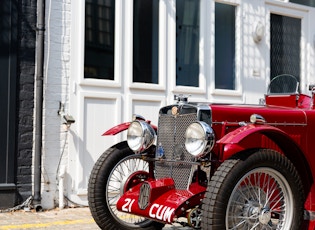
{"x": 105, "y": 60}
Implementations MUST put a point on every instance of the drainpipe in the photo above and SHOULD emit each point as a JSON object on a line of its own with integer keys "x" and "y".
{"x": 40, "y": 30}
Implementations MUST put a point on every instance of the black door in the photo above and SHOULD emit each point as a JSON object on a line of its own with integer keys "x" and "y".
{"x": 8, "y": 27}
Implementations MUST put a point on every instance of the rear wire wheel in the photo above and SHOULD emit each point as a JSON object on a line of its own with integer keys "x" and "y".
{"x": 263, "y": 191}
{"x": 109, "y": 179}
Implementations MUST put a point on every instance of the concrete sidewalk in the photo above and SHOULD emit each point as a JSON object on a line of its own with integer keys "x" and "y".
{"x": 75, "y": 218}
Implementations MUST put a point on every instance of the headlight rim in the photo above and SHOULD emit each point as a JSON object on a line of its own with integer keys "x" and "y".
{"x": 147, "y": 136}
{"x": 208, "y": 139}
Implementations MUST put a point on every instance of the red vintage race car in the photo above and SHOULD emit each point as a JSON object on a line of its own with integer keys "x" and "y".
{"x": 212, "y": 166}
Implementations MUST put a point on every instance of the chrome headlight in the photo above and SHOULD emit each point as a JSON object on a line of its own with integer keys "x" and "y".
{"x": 140, "y": 136}
{"x": 199, "y": 138}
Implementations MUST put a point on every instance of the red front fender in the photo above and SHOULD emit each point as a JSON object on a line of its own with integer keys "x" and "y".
{"x": 122, "y": 127}
{"x": 117, "y": 129}
{"x": 164, "y": 201}
{"x": 248, "y": 137}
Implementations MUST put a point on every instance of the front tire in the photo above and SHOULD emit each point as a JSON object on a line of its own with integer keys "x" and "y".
{"x": 264, "y": 191}
{"x": 108, "y": 181}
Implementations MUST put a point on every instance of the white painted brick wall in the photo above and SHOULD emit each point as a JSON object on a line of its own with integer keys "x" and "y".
{"x": 57, "y": 72}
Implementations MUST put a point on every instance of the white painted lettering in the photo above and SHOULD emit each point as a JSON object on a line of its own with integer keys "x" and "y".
{"x": 168, "y": 214}
{"x": 160, "y": 212}
{"x": 151, "y": 213}
{"x": 127, "y": 206}
{"x": 131, "y": 203}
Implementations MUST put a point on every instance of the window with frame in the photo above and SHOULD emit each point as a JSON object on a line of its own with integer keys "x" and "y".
{"x": 224, "y": 46}
{"x": 187, "y": 42}
{"x": 285, "y": 48}
{"x": 99, "y": 39}
{"x": 145, "y": 41}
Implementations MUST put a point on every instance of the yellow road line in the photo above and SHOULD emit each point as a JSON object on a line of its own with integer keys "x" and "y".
{"x": 48, "y": 224}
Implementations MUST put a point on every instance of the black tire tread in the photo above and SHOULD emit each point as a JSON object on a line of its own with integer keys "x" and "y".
{"x": 96, "y": 190}
{"x": 221, "y": 186}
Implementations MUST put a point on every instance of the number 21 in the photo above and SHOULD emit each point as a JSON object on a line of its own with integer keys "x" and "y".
{"x": 127, "y": 206}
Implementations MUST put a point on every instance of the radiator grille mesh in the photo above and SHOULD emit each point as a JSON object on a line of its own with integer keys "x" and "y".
{"x": 171, "y": 136}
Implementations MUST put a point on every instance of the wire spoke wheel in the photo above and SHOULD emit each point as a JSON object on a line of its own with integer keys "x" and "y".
{"x": 261, "y": 190}
{"x": 116, "y": 186}
{"x": 116, "y": 171}
{"x": 262, "y": 199}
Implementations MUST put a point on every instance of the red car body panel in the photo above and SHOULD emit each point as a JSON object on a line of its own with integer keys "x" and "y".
{"x": 289, "y": 129}
{"x": 121, "y": 127}
{"x": 228, "y": 131}
{"x": 117, "y": 129}
{"x": 165, "y": 200}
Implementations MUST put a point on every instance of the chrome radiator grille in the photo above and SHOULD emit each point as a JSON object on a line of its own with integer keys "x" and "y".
{"x": 177, "y": 161}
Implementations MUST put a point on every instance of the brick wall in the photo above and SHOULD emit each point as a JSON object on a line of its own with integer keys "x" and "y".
{"x": 25, "y": 103}
{"x": 56, "y": 87}
{"x": 56, "y": 84}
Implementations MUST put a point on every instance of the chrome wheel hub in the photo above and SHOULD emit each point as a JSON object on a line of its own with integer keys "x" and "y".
{"x": 265, "y": 216}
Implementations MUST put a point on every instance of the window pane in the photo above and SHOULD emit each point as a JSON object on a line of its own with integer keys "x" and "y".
{"x": 285, "y": 38}
{"x": 224, "y": 46}
{"x": 304, "y": 2}
{"x": 99, "y": 39}
{"x": 187, "y": 42}
{"x": 145, "y": 41}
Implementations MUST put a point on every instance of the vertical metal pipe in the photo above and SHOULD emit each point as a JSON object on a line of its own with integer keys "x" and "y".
{"x": 40, "y": 30}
